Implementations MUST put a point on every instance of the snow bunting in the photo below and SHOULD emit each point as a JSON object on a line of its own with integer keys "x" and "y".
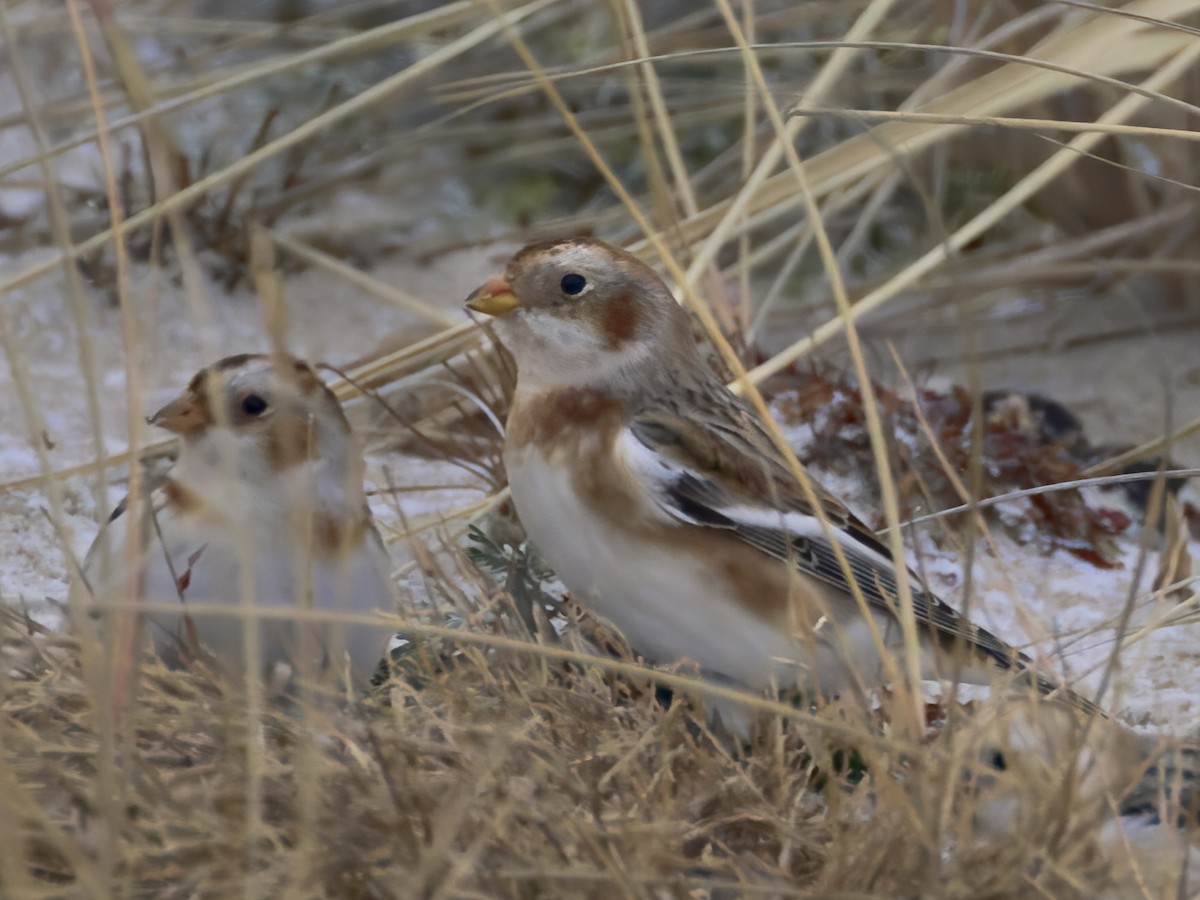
{"x": 264, "y": 505}
{"x": 662, "y": 501}
{"x": 1058, "y": 778}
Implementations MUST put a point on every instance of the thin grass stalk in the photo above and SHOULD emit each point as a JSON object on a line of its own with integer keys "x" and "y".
{"x": 747, "y": 319}
{"x": 681, "y": 177}
{"x": 373, "y": 286}
{"x": 1145, "y": 450}
{"x": 355, "y": 44}
{"x": 1022, "y": 191}
{"x": 18, "y": 368}
{"x": 843, "y": 54}
{"x": 117, "y": 676}
{"x": 662, "y": 116}
{"x": 418, "y": 24}
{"x": 1146, "y": 50}
{"x": 690, "y": 684}
{"x": 61, "y": 230}
{"x": 661, "y": 196}
{"x": 779, "y": 284}
{"x": 1075, "y": 484}
{"x": 908, "y": 684}
{"x": 1025, "y": 80}
{"x": 1021, "y": 123}
{"x": 13, "y": 868}
{"x": 164, "y": 160}
{"x": 370, "y": 96}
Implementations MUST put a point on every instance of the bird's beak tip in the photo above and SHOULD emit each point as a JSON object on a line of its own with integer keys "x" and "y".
{"x": 494, "y": 298}
{"x": 181, "y": 415}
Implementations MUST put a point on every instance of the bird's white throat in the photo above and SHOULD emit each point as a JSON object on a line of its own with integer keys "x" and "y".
{"x": 232, "y": 473}
{"x": 554, "y": 352}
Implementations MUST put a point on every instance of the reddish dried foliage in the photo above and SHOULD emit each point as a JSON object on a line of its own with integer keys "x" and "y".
{"x": 1019, "y": 451}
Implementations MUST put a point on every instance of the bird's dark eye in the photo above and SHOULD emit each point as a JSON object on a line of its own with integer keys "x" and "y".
{"x": 999, "y": 763}
{"x": 573, "y": 284}
{"x": 253, "y": 405}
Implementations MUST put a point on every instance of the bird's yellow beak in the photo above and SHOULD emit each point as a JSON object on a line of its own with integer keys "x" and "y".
{"x": 495, "y": 298}
{"x": 183, "y": 414}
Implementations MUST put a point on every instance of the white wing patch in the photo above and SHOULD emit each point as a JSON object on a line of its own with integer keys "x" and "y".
{"x": 654, "y": 472}
{"x": 659, "y": 474}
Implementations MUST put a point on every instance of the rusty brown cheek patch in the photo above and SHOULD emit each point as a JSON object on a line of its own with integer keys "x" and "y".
{"x": 334, "y": 537}
{"x": 619, "y": 320}
{"x": 290, "y": 441}
{"x": 180, "y": 498}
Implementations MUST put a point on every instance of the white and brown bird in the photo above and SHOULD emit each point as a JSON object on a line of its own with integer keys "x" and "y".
{"x": 264, "y": 506}
{"x": 663, "y": 503}
{"x": 1090, "y": 791}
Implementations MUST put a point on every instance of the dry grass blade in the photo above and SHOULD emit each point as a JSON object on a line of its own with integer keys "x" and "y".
{"x": 908, "y": 683}
{"x": 971, "y": 192}
{"x": 364, "y": 100}
{"x": 1009, "y": 87}
{"x": 371, "y": 285}
{"x": 1022, "y": 122}
{"x": 1146, "y": 450}
{"x": 1175, "y": 559}
{"x": 410, "y": 27}
{"x": 1028, "y": 186}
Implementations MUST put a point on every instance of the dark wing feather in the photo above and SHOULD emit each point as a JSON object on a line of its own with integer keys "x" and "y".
{"x": 722, "y": 458}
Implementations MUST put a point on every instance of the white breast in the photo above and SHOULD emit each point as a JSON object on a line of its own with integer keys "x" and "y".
{"x": 670, "y": 607}
{"x": 208, "y": 563}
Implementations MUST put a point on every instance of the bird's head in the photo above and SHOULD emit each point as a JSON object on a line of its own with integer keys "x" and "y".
{"x": 580, "y": 311}
{"x": 271, "y": 412}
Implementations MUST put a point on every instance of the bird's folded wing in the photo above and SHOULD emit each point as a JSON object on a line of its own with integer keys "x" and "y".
{"x": 723, "y": 471}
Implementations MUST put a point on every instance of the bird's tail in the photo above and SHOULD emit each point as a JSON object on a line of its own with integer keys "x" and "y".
{"x": 1169, "y": 788}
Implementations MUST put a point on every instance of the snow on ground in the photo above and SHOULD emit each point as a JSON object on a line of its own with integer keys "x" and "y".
{"x": 1061, "y": 609}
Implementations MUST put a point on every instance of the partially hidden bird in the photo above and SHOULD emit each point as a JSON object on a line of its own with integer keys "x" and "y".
{"x": 664, "y": 504}
{"x": 1057, "y": 778}
{"x": 263, "y": 507}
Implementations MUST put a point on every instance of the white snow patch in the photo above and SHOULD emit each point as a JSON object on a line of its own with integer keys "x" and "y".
{"x": 1057, "y": 607}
